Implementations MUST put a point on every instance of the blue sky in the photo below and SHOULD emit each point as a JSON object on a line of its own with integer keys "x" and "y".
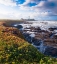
{"x": 37, "y": 9}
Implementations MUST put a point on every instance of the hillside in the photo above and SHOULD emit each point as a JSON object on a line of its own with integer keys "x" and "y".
{"x": 15, "y": 50}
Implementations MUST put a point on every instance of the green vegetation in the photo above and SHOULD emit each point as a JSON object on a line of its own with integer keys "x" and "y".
{"x": 15, "y": 50}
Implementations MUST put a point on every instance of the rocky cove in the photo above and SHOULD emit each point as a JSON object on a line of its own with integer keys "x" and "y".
{"x": 42, "y": 35}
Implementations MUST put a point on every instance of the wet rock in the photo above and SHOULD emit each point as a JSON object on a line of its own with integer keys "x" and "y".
{"x": 38, "y": 36}
{"x": 52, "y": 28}
{"x": 27, "y": 37}
{"x": 26, "y": 34}
{"x": 55, "y": 36}
{"x": 35, "y": 29}
{"x": 19, "y": 26}
{"x": 44, "y": 31}
{"x": 50, "y": 41}
{"x": 51, "y": 51}
{"x": 36, "y": 42}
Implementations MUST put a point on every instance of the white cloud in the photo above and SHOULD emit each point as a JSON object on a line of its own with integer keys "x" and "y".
{"x": 24, "y": 11}
{"x": 50, "y": 5}
{"x": 7, "y": 2}
{"x": 29, "y": 1}
{"x": 41, "y": 3}
{"x": 17, "y": 14}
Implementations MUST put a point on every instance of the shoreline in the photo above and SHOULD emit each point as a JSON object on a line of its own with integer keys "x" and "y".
{"x": 46, "y": 36}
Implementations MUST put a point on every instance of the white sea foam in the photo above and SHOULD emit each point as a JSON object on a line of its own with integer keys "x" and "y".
{"x": 44, "y": 25}
{"x": 32, "y": 35}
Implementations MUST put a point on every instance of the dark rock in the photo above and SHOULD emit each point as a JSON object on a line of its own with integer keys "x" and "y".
{"x": 35, "y": 29}
{"x": 55, "y": 36}
{"x": 19, "y": 26}
{"x": 50, "y": 42}
{"x": 27, "y": 37}
{"x": 36, "y": 42}
{"x": 52, "y": 28}
{"x": 51, "y": 51}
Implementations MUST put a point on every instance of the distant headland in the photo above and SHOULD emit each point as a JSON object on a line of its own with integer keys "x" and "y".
{"x": 28, "y": 19}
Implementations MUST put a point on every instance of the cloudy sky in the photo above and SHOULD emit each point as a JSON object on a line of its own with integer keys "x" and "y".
{"x": 37, "y": 9}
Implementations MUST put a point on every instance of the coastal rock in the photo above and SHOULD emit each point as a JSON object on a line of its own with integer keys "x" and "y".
{"x": 55, "y": 36}
{"x": 27, "y": 37}
{"x": 19, "y": 26}
{"x": 36, "y": 42}
{"x": 45, "y": 40}
{"x": 52, "y": 28}
{"x": 51, "y": 51}
{"x": 50, "y": 42}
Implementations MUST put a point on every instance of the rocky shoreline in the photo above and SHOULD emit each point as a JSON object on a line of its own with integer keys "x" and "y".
{"x": 44, "y": 40}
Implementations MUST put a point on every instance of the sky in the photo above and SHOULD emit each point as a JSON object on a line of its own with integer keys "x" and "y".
{"x": 37, "y": 9}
